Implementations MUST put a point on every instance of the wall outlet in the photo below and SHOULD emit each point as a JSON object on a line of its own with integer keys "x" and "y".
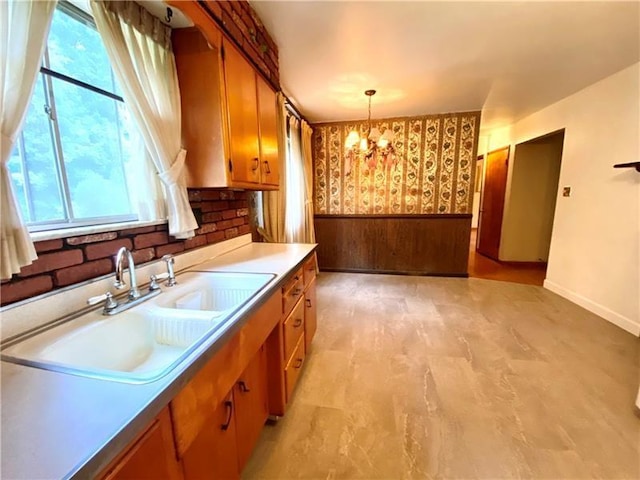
{"x": 566, "y": 191}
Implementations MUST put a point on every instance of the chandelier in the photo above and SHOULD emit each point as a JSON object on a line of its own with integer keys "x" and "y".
{"x": 374, "y": 148}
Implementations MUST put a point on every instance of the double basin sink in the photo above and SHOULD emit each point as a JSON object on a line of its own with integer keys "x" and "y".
{"x": 146, "y": 342}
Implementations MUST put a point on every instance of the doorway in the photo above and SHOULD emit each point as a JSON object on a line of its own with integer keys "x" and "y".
{"x": 492, "y": 203}
{"x": 516, "y": 217}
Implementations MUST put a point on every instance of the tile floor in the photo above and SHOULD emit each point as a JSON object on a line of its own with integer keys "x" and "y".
{"x": 425, "y": 377}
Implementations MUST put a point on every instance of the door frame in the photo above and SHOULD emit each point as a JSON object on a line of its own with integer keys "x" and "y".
{"x": 482, "y": 197}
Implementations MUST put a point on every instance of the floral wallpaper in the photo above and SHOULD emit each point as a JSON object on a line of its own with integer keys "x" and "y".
{"x": 433, "y": 173}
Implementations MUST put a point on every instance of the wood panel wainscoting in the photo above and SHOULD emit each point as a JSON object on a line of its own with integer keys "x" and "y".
{"x": 435, "y": 244}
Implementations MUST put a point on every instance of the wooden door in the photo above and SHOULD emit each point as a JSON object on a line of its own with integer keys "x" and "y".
{"x": 310, "y": 314}
{"x": 492, "y": 203}
{"x": 242, "y": 105}
{"x": 213, "y": 453}
{"x": 150, "y": 457}
{"x": 252, "y": 409}
{"x": 269, "y": 165}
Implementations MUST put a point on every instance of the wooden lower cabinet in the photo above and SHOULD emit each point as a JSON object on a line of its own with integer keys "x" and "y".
{"x": 212, "y": 425}
{"x": 310, "y": 314}
{"x": 212, "y": 453}
{"x": 294, "y": 367}
{"x": 151, "y": 456}
{"x": 224, "y": 444}
{"x": 252, "y": 406}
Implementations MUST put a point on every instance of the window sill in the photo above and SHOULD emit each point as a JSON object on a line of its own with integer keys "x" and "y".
{"x": 90, "y": 229}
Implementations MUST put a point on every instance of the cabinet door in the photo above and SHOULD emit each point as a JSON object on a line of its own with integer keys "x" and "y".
{"x": 199, "y": 67}
{"x": 213, "y": 453}
{"x": 242, "y": 105}
{"x": 152, "y": 456}
{"x": 269, "y": 164}
{"x": 310, "y": 314}
{"x": 252, "y": 409}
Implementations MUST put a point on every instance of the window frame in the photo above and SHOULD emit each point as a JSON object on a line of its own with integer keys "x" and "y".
{"x": 47, "y": 75}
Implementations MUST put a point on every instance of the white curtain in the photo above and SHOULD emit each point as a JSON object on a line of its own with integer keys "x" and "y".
{"x": 299, "y": 207}
{"x": 144, "y": 187}
{"x": 139, "y": 48}
{"x": 273, "y": 202}
{"x": 24, "y": 27}
{"x": 307, "y": 171}
{"x": 294, "y": 210}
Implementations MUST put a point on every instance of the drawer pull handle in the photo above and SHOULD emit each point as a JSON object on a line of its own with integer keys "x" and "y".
{"x": 297, "y": 292}
{"x": 229, "y": 406}
{"x": 298, "y": 322}
{"x": 267, "y": 170}
{"x": 296, "y": 278}
{"x": 243, "y": 387}
{"x": 256, "y": 164}
{"x": 309, "y": 302}
{"x": 298, "y": 363}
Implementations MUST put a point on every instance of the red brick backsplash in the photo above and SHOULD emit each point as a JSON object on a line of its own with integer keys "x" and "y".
{"x": 221, "y": 215}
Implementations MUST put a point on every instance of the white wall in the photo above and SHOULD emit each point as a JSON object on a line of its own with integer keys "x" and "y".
{"x": 594, "y": 258}
{"x": 529, "y": 208}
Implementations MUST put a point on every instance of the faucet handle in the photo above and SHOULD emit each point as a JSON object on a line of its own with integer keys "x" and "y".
{"x": 110, "y": 302}
{"x": 153, "y": 284}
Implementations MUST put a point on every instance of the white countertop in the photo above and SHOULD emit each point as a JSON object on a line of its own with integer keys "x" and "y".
{"x": 56, "y": 425}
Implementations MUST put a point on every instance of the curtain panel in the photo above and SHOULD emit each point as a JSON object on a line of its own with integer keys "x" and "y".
{"x": 294, "y": 217}
{"x": 273, "y": 202}
{"x": 307, "y": 172}
{"x": 24, "y": 28}
{"x": 139, "y": 48}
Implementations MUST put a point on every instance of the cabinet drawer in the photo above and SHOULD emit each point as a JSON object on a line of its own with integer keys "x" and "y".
{"x": 293, "y": 329}
{"x": 292, "y": 372}
{"x": 309, "y": 269}
{"x": 292, "y": 291}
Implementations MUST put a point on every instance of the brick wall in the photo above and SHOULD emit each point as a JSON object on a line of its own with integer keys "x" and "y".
{"x": 243, "y": 25}
{"x": 221, "y": 214}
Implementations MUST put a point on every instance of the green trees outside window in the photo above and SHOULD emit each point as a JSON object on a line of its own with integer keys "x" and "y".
{"x": 68, "y": 164}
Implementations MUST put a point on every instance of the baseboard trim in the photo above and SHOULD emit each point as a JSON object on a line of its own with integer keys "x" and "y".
{"x": 393, "y": 272}
{"x": 609, "y": 315}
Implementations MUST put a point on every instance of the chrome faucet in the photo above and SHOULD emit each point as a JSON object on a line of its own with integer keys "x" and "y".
{"x": 119, "y": 283}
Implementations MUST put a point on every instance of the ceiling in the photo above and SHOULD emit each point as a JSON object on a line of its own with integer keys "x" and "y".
{"x": 508, "y": 59}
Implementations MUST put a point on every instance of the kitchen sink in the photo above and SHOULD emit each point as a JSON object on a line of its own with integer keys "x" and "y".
{"x": 216, "y": 292}
{"x": 146, "y": 342}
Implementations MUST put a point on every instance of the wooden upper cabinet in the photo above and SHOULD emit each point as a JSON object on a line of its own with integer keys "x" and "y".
{"x": 228, "y": 113}
{"x": 204, "y": 135}
{"x": 240, "y": 81}
{"x": 269, "y": 165}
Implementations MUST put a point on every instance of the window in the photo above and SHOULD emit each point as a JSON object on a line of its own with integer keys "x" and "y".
{"x": 68, "y": 164}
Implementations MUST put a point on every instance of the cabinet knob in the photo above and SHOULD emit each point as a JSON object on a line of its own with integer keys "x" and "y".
{"x": 309, "y": 302}
{"x": 256, "y": 164}
{"x": 268, "y": 170}
{"x": 243, "y": 387}
{"x": 298, "y": 363}
{"x": 298, "y": 322}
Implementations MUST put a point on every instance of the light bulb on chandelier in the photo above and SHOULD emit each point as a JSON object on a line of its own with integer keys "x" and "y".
{"x": 374, "y": 148}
